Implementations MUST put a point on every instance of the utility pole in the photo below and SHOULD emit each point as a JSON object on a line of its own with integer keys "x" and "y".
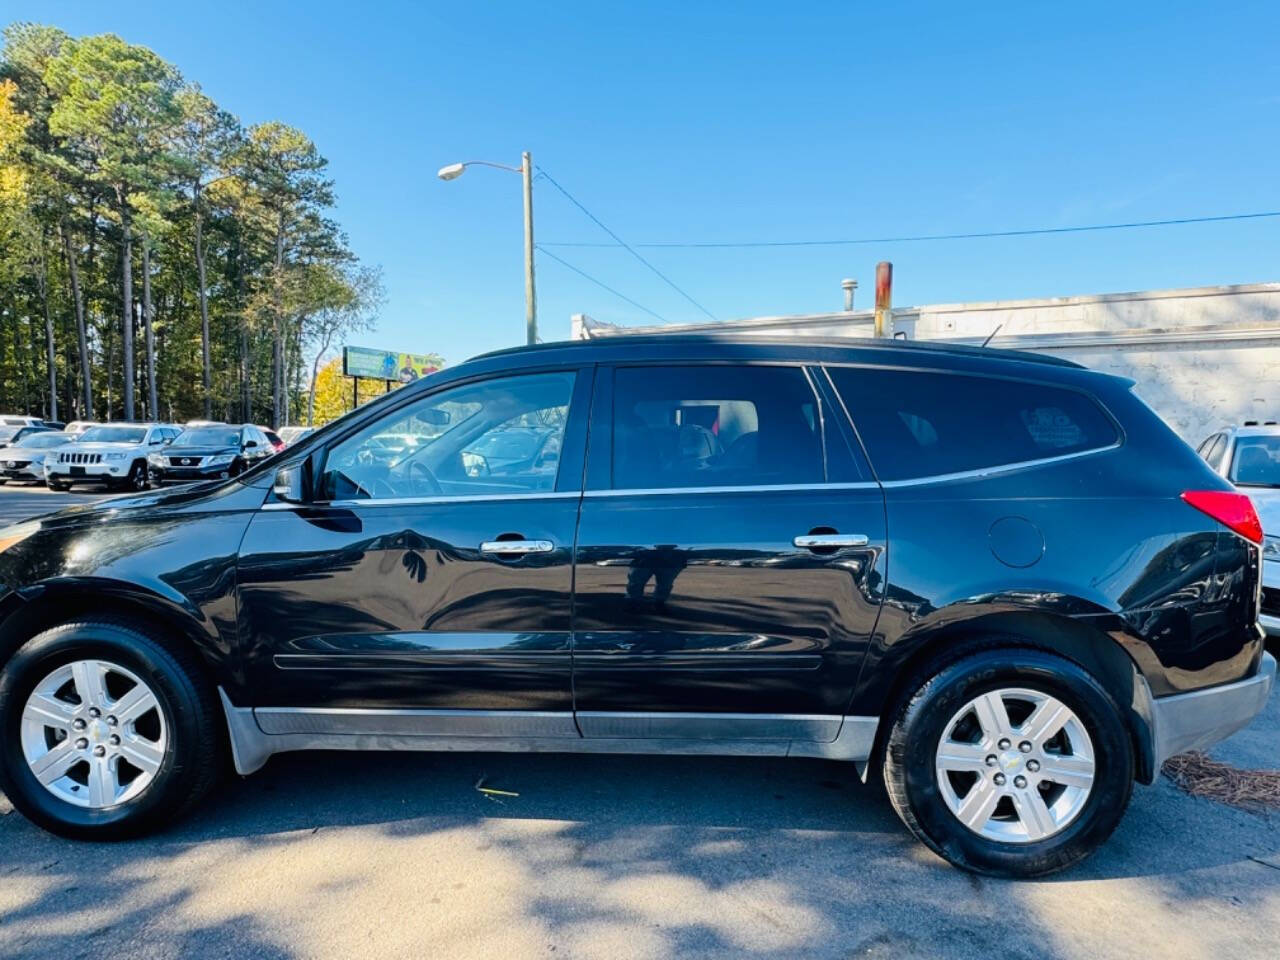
{"x": 530, "y": 296}
{"x": 454, "y": 170}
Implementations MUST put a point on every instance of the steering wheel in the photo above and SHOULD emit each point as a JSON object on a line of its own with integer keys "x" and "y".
{"x": 420, "y": 474}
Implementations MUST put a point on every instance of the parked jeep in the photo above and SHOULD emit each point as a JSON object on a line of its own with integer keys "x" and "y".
{"x": 114, "y": 454}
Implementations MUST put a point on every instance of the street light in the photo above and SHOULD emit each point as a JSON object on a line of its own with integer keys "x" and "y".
{"x": 454, "y": 170}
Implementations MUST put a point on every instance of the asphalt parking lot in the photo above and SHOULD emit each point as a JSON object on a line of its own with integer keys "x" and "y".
{"x": 20, "y": 500}
{"x": 345, "y": 855}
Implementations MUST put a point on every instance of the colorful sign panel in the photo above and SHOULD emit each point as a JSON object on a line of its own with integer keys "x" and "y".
{"x": 387, "y": 364}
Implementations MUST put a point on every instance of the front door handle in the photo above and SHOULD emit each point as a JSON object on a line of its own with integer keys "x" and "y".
{"x": 830, "y": 541}
{"x": 517, "y": 546}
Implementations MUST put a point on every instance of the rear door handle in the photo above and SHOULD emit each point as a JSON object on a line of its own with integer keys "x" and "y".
{"x": 517, "y": 546}
{"x": 809, "y": 541}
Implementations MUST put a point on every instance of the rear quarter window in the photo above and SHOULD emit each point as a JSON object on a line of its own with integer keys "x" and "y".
{"x": 918, "y": 424}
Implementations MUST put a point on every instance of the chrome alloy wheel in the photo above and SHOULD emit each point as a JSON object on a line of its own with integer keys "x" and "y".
{"x": 1015, "y": 765}
{"x": 93, "y": 734}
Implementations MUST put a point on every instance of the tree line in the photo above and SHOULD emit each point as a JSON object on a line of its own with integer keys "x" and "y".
{"x": 158, "y": 259}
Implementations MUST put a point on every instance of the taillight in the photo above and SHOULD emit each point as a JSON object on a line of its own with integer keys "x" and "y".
{"x": 1234, "y": 510}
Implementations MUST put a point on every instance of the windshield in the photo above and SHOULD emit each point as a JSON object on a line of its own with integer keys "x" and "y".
{"x": 208, "y": 437}
{"x": 113, "y": 435}
{"x": 1257, "y": 461}
{"x": 44, "y": 440}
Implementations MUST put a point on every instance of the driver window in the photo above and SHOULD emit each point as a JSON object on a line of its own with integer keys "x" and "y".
{"x": 497, "y": 437}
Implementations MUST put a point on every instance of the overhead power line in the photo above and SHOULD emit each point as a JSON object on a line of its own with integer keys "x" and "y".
{"x": 598, "y": 283}
{"x": 678, "y": 244}
{"x": 619, "y": 242}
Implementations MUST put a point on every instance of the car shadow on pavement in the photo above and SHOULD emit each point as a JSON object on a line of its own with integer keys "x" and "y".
{"x": 343, "y": 854}
{"x": 1163, "y": 832}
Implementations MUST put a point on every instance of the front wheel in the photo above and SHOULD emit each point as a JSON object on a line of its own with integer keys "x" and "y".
{"x": 106, "y": 733}
{"x": 139, "y": 479}
{"x": 1010, "y": 762}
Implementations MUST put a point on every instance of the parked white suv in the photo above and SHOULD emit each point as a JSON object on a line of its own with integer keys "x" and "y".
{"x": 1249, "y": 456}
{"x": 111, "y": 453}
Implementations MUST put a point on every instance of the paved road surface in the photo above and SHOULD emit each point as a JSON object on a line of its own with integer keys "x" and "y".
{"x": 18, "y": 501}
{"x": 344, "y": 855}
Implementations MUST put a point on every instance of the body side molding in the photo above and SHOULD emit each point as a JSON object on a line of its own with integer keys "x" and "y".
{"x": 258, "y": 734}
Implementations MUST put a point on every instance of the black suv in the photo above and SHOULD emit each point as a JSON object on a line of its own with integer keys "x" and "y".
{"x": 997, "y": 580}
{"x": 209, "y": 451}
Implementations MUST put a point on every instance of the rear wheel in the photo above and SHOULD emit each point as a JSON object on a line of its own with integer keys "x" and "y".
{"x": 106, "y": 733}
{"x": 1010, "y": 762}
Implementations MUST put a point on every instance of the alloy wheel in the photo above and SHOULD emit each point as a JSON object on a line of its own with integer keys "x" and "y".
{"x": 1015, "y": 765}
{"x": 93, "y": 733}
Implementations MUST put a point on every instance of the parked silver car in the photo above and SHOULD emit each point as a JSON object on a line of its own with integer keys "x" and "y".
{"x": 1249, "y": 456}
{"x": 24, "y": 459}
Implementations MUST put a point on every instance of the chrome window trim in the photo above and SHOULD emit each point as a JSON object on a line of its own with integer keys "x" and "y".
{"x": 762, "y": 488}
{"x": 999, "y": 469}
{"x": 418, "y": 501}
{"x": 977, "y": 474}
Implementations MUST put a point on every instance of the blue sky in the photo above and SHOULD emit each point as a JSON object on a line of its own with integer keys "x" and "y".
{"x": 752, "y": 121}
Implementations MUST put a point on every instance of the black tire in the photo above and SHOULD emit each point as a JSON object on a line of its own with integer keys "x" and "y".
{"x": 138, "y": 479}
{"x": 55, "y": 485}
{"x": 921, "y": 718}
{"x": 192, "y": 760}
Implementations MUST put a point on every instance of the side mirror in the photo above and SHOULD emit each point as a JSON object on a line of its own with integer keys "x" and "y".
{"x": 250, "y": 443}
{"x": 287, "y": 485}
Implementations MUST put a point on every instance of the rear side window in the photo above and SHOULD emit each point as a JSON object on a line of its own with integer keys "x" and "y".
{"x": 715, "y": 426}
{"x": 1217, "y": 451}
{"x": 919, "y": 424}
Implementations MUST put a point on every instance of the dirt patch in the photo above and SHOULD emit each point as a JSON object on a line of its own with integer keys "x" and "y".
{"x": 1257, "y": 791}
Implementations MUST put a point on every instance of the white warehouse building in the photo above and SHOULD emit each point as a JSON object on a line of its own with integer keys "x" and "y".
{"x": 1202, "y": 357}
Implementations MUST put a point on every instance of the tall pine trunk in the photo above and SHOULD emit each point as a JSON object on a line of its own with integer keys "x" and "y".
{"x": 277, "y": 331}
{"x": 51, "y": 360}
{"x": 153, "y": 403}
{"x": 82, "y": 336}
{"x": 246, "y": 397}
{"x": 315, "y": 375}
{"x": 126, "y": 274}
{"x": 20, "y": 361}
{"x": 109, "y": 350}
{"x": 204, "y": 310}
{"x": 50, "y": 355}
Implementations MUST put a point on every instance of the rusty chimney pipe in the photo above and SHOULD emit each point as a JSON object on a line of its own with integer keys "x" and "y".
{"x": 849, "y": 287}
{"x": 884, "y": 299}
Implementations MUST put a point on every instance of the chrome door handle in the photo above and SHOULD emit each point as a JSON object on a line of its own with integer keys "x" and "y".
{"x": 517, "y": 546}
{"x": 811, "y": 540}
